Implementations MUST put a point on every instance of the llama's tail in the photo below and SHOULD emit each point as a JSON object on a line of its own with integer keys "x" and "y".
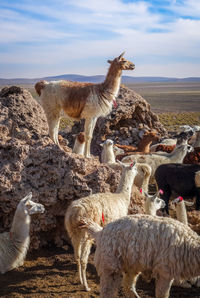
{"x": 39, "y": 86}
{"x": 92, "y": 227}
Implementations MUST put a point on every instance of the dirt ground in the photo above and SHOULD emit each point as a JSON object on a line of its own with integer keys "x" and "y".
{"x": 51, "y": 272}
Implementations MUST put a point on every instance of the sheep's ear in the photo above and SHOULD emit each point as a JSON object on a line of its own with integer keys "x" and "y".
{"x": 189, "y": 204}
{"x": 120, "y": 56}
{"x": 109, "y": 61}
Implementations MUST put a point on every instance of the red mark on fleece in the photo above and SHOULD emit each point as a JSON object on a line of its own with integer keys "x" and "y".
{"x": 161, "y": 191}
{"x": 180, "y": 199}
{"x": 114, "y": 103}
{"x": 103, "y": 219}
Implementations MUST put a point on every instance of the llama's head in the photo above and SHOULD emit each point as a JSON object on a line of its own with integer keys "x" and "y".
{"x": 154, "y": 202}
{"x": 28, "y": 207}
{"x": 121, "y": 63}
{"x": 179, "y": 200}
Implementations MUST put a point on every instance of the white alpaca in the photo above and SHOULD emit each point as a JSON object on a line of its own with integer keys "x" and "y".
{"x": 137, "y": 243}
{"x": 81, "y": 100}
{"x": 101, "y": 208}
{"x": 153, "y": 203}
{"x": 179, "y": 205}
{"x": 14, "y": 244}
{"x": 154, "y": 160}
{"x": 143, "y": 170}
{"x": 79, "y": 144}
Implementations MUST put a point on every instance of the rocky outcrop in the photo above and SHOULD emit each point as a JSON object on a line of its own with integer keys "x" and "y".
{"x": 30, "y": 161}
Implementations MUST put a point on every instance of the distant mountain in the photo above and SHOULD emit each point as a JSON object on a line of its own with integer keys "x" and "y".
{"x": 95, "y": 79}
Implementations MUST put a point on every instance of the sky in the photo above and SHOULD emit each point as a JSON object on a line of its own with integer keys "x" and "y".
{"x": 55, "y": 37}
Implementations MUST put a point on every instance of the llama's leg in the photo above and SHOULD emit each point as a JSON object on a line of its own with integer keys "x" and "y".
{"x": 76, "y": 242}
{"x": 109, "y": 284}
{"x": 53, "y": 122}
{"x": 129, "y": 284}
{"x": 85, "y": 251}
{"x": 163, "y": 286}
{"x": 89, "y": 128}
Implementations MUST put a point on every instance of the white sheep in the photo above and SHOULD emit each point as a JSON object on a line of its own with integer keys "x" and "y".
{"x": 101, "y": 208}
{"x": 81, "y": 100}
{"x": 136, "y": 243}
{"x": 14, "y": 244}
{"x": 143, "y": 170}
{"x": 79, "y": 144}
{"x": 154, "y": 160}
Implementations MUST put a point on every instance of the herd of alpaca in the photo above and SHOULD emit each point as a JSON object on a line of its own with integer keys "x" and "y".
{"x": 126, "y": 245}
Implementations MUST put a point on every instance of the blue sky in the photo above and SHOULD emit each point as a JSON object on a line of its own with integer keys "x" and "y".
{"x": 54, "y": 37}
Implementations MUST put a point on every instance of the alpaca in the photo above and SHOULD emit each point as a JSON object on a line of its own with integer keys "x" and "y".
{"x": 153, "y": 203}
{"x": 14, "y": 244}
{"x": 136, "y": 243}
{"x": 179, "y": 205}
{"x": 143, "y": 146}
{"x": 143, "y": 170}
{"x": 101, "y": 208}
{"x": 81, "y": 100}
{"x": 154, "y": 160}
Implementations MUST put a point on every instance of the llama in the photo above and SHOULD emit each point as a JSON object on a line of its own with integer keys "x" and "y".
{"x": 14, "y": 244}
{"x": 101, "y": 208}
{"x": 143, "y": 170}
{"x": 79, "y": 144}
{"x": 154, "y": 160}
{"x": 179, "y": 205}
{"x": 81, "y": 100}
{"x": 137, "y": 243}
{"x": 183, "y": 179}
{"x": 153, "y": 203}
{"x": 143, "y": 146}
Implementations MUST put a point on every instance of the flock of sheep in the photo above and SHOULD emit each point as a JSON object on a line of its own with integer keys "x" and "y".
{"x": 126, "y": 245}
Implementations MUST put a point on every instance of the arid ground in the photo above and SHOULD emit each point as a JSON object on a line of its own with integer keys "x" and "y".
{"x": 51, "y": 272}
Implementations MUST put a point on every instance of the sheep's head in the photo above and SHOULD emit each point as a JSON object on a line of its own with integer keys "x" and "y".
{"x": 121, "y": 63}
{"x": 27, "y": 206}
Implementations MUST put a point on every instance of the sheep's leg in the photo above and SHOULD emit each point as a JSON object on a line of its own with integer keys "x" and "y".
{"x": 77, "y": 255}
{"x": 109, "y": 284}
{"x": 53, "y": 122}
{"x": 129, "y": 284}
{"x": 163, "y": 286}
{"x": 89, "y": 128}
{"x": 85, "y": 251}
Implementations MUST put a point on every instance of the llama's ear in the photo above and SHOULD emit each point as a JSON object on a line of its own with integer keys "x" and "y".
{"x": 109, "y": 61}
{"x": 27, "y": 198}
{"x": 189, "y": 204}
{"x": 146, "y": 194}
{"x": 120, "y": 56}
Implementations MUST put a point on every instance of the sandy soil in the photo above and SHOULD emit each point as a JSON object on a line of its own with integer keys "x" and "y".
{"x": 51, "y": 272}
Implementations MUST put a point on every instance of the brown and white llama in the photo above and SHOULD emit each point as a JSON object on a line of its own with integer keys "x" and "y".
{"x": 82, "y": 100}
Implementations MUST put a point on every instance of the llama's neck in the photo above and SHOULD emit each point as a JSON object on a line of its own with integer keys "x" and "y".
{"x": 108, "y": 155}
{"x": 78, "y": 147}
{"x": 126, "y": 182}
{"x": 149, "y": 208}
{"x": 181, "y": 213}
{"x": 112, "y": 82}
{"x": 20, "y": 227}
{"x": 144, "y": 146}
{"x": 177, "y": 155}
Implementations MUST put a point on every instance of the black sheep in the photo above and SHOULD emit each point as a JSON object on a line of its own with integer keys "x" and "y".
{"x": 180, "y": 178}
